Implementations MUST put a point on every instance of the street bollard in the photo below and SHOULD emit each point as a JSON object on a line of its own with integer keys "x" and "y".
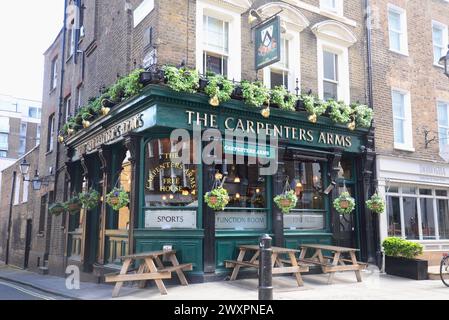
{"x": 265, "y": 269}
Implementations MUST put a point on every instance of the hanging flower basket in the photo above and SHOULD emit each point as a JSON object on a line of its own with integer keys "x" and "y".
{"x": 57, "y": 208}
{"x": 376, "y": 203}
{"x": 286, "y": 201}
{"x": 73, "y": 205}
{"x": 217, "y": 199}
{"x": 118, "y": 198}
{"x": 344, "y": 204}
{"x": 89, "y": 199}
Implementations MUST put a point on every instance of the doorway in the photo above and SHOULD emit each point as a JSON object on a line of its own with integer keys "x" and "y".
{"x": 28, "y": 236}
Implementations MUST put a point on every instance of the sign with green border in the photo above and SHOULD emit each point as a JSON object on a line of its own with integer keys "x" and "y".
{"x": 250, "y": 150}
{"x": 268, "y": 43}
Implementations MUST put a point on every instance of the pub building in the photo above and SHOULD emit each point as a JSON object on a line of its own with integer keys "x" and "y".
{"x": 131, "y": 148}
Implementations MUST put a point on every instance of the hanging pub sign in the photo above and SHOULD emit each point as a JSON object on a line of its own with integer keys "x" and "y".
{"x": 268, "y": 43}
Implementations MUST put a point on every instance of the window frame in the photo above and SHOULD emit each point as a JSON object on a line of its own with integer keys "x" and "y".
{"x": 445, "y": 38}
{"x": 417, "y": 196}
{"x": 50, "y": 133}
{"x": 443, "y": 140}
{"x": 233, "y": 18}
{"x": 342, "y": 52}
{"x": 54, "y": 74}
{"x": 407, "y": 145}
{"x": 338, "y": 9}
{"x": 403, "y": 33}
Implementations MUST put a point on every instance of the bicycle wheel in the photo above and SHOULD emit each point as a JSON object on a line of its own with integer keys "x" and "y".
{"x": 444, "y": 267}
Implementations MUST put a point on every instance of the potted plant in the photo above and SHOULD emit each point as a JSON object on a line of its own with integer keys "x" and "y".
{"x": 255, "y": 94}
{"x": 400, "y": 259}
{"x": 217, "y": 199}
{"x": 73, "y": 205}
{"x": 286, "y": 201}
{"x": 344, "y": 204}
{"x": 376, "y": 203}
{"x": 57, "y": 208}
{"x": 118, "y": 198}
{"x": 219, "y": 89}
{"x": 182, "y": 80}
{"x": 363, "y": 115}
{"x": 89, "y": 199}
{"x": 313, "y": 106}
{"x": 284, "y": 99}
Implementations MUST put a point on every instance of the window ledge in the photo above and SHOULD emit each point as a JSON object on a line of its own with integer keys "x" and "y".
{"x": 404, "y": 148}
{"x": 402, "y": 53}
{"x": 438, "y": 65}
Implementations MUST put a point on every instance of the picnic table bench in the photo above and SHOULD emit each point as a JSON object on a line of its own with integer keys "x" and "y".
{"x": 335, "y": 263}
{"x": 277, "y": 263}
{"x": 152, "y": 268}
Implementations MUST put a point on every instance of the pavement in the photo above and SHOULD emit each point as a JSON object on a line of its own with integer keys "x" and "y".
{"x": 375, "y": 286}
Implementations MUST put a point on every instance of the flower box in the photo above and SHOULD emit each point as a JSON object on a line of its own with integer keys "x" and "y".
{"x": 415, "y": 269}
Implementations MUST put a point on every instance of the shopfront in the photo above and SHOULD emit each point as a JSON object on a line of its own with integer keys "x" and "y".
{"x": 417, "y": 198}
{"x": 132, "y": 148}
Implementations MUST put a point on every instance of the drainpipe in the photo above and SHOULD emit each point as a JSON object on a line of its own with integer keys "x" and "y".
{"x": 369, "y": 51}
{"x": 11, "y": 202}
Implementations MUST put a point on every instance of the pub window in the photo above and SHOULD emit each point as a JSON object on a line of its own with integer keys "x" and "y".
{"x": 171, "y": 186}
{"x": 216, "y": 45}
{"x": 306, "y": 179}
{"x": 247, "y": 208}
{"x": 330, "y": 77}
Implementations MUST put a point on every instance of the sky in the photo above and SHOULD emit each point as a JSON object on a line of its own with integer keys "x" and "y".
{"x": 27, "y": 29}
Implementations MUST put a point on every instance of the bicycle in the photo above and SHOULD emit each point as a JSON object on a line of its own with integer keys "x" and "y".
{"x": 444, "y": 267}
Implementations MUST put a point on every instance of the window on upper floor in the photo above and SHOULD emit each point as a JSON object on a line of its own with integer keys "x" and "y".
{"x": 440, "y": 41}
{"x": 23, "y": 129}
{"x": 17, "y": 190}
{"x": 71, "y": 39}
{"x": 4, "y": 145}
{"x": 330, "y": 75}
{"x": 443, "y": 126}
{"x": 51, "y": 133}
{"x": 26, "y": 187}
{"x": 34, "y": 112}
{"x": 22, "y": 147}
{"x": 79, "y": 97}
{"x": 4, "y": 125}
{"x": 216, "y": 45}
{"x": 38, "y": 134}
{"x": 402, "y": 120}
{"x": 67, "y": 106}
{"x": 218, "y": 39}
{"x": 397, "y": 26}
{"x": 3, "y": 154}
{"x": 54, "y": 74}
{"x": 335, "y": 6}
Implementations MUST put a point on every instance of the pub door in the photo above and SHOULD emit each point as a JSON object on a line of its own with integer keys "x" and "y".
{"x": 345, "y": 225}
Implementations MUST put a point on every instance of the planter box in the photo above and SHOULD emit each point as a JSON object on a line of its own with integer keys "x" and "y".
{"x": 406, "y": 268}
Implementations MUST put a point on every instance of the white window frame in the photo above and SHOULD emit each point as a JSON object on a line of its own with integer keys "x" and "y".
{"x": 401, "y": 195}
{"x": 443, "y": 140}
{"x": 403, "y": 32}
{"x": 343, "y": 69}
{"x": 54, "y": 73}
{"x": 408, "y": 125}
{"x": 444, "y": 28}
{"x": 26, "y": 186}
{"x": 233, "y": 17}
{"x": 337, "y": 10}
{"x": 17, "y": 191}
{"x": 294, "y": 58}
{"x": 67, "y": 105}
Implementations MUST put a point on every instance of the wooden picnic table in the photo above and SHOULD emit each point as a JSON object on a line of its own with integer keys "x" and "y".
{"x": 152, "y": 268}
{"x": 277, "y": 263}
{"x": 334, "y": 263}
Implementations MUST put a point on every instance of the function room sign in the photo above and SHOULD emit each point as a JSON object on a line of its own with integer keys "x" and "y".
{"x": 268, "y": 43}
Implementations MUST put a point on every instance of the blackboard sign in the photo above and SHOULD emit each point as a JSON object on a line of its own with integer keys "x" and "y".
{"x": 268, "y": 43}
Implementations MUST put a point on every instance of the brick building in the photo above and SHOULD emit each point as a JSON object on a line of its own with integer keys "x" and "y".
{"x": 324, "y": 51}
{"x": 411, "y": 96}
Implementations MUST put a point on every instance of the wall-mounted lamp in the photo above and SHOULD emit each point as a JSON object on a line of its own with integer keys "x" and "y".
{"x": 254, "y": 16}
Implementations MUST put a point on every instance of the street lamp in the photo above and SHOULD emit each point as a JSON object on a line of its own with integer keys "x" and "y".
{"x": 36, "y": 182}
{"x": 24, "y": 167}
{"x": 444, "y": 61}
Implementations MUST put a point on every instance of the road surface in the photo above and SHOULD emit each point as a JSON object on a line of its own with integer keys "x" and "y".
{"x": 12, "y": 291}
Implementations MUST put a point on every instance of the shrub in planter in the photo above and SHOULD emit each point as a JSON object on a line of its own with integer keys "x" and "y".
{"x": 376, "y": 203}
{"x": 255, "y": 94}
{"x": 313, "y": 106}
{"x": 89, "y": 199}
{"x": 57, "y": 208}
{"x": 400, "y": 259}
{"x": 344, "y": 204}
{"x": 363, "y": 115}
{"x": 182, "y": 80}
{"x": 286, "y": 201}
{"x": 284, "y": 99}
{"x": 118, "y": 198}
{"x": 219, "y": 89}
{"x": 217, "y": 199}
{"x": 339, "y": 112}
